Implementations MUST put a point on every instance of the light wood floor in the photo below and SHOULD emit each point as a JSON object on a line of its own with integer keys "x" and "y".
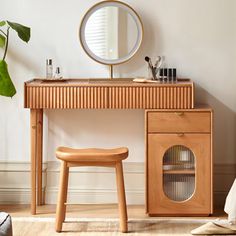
{"x": 139, "y": 222}
{"x": 93, "y": 211}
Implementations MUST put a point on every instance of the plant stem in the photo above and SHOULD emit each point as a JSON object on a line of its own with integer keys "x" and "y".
{"x": 3, "y": 32}
{"x": 6, "y": 47}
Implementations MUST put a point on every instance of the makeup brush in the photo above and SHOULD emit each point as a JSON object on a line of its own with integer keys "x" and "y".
{"x": 158, "y": 63}
{"x": 148, "y": 60}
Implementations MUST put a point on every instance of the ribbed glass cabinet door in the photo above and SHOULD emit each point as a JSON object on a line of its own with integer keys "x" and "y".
{"x": 179, "y": 173}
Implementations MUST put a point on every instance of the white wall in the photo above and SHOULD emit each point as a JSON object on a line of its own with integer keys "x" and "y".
{"x": 196, "y": 36}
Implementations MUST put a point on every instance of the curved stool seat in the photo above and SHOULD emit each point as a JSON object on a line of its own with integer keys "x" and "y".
{"x": 91, "y": 154}
{"x": 91, "y": 157}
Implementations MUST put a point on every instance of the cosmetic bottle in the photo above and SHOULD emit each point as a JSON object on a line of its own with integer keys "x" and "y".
{"x": 161, "y": 74}
{"x": 164, "y": 69}
{"x": 49, "y": 68}
{"x": 165, "y": 74}
{"x": 174, "y": 74}
{"x": 58, "y": 73}
{"x": 170, "y": 74}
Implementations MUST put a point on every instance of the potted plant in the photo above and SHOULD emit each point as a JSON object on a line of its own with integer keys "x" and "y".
{"x": 7, "y": 87}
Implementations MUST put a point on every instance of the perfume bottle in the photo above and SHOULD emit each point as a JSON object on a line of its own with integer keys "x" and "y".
{"x": 170, "y": 76}
{"x": 49, "y": 68}
{"x": 174, "y": 74}
{"x": 58, "y": 73}
{"x": 161, "y": 74}
{"x": 165, "y": 78}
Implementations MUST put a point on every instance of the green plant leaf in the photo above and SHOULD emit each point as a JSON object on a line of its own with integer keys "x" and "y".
{"x": 2, "y": 41}
{"x": 7, "y": 88}
{"x": 22, "y": 31}
{"x": 2, "y": 23}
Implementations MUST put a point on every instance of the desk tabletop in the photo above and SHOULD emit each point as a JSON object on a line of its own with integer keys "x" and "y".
{"x": 102, "y": 82}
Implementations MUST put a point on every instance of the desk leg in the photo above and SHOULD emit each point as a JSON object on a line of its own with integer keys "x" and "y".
{"x": 40, "y": 198}
{"x": 36, "y": 126}
{"x": 33, "y": 131}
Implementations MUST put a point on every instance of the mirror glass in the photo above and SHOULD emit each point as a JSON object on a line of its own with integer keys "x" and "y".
{"x": 111, "y": 32}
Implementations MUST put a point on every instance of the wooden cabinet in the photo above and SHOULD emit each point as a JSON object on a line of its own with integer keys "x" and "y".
{"x": 179, "y": 162}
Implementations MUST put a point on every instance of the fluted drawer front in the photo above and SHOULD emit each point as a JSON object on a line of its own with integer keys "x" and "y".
{"x": 66, "y": 97}
{"x": 150, "y": 97}
{"x": 110, "y": 97}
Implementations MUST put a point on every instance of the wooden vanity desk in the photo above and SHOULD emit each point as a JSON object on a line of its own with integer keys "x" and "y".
{"x": 40, "y": 94}
{"x": 107, "y": 94}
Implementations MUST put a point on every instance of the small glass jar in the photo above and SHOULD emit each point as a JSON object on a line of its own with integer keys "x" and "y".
{"x": 58, "y": 73}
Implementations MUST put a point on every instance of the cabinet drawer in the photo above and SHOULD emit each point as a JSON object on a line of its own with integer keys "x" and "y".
{"x": 174, "y": 122}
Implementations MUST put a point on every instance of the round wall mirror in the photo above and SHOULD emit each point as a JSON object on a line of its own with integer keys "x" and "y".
{"x": 111, "y": 32}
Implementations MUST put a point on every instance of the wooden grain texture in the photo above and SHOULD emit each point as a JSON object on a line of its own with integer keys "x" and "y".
{"x": 164, "y": 129}
{"x": 62, "y": 194}
{"x": 91, "y": 157}
{"x": 39, "y": 153}
{"x": 200, "y": 202}
{"x": 40, "y": 94}
{"x": 172, "y": 122}
{"x": 33, "y": 128}
{"x": 79, "y": 94}
{"x": 212, "y": 159}
{"x": 121, "y": 197}
{"x": 36, "y": 126}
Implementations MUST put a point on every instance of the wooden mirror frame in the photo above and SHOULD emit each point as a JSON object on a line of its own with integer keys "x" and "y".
{"x": 137, "y": 45}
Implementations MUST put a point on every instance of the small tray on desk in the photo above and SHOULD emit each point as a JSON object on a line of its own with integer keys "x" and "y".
{"x": 53, "y": 80}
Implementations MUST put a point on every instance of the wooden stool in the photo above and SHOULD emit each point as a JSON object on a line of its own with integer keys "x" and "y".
{"x": 91, "y": 157}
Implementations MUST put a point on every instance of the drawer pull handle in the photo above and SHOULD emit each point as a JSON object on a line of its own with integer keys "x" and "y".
{"x": 180, "y": 135}
{"x": 179, "y": 113}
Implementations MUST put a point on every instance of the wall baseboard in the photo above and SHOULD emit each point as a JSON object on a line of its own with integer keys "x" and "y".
{"x": 93, "y": 185}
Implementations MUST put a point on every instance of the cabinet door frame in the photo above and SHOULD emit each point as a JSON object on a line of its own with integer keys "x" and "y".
{"x": 200, "y": 202}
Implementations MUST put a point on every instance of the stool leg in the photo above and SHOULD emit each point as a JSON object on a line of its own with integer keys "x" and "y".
{"x": 66, "y": 178}
{"x": 61, "y": 207}
{"x": 121, "y": 197}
